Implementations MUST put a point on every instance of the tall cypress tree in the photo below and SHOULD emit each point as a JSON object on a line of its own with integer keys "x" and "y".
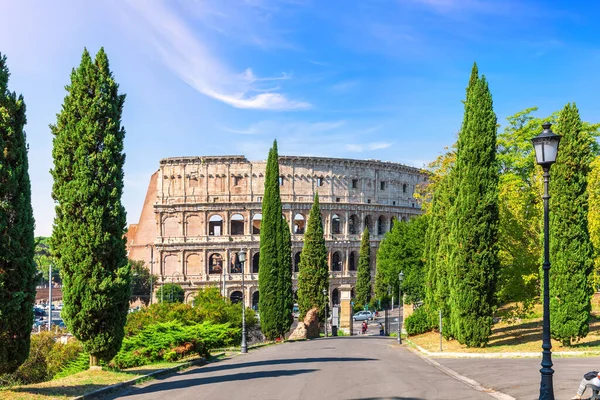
{"x": 17, "y": 267}
{"x": 474, "y": 219}
{"x": 570, "y": 246}
{"x": 88, "y": 235}
{"x": 363, "y": 273}
{"x": 275, "y": 270}
{"x": 313, "y": 272}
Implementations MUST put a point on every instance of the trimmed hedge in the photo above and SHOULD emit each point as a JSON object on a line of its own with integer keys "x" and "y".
{"x": 417, "y": 322}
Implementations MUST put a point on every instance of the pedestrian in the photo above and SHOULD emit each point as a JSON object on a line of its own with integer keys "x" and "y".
{"x": 590, "y": 378}
{"x": 381, "y": 330}
{"x": 364, "y": 327}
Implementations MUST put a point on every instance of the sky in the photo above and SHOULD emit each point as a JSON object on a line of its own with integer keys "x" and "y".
{"x": 368, "y": 79}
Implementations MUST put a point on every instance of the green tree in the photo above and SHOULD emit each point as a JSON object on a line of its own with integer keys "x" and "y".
{"x": 18, "y": 274}
{"x": 474, "y": 219}
{"x": 313, "y": 272}
{"x": 88, "y": 242}
{"x": 594, "y": 215}
{"x": 275, "y": 305}
{"x": 170, "y": 293}
{"x": 570, "y": 247}
{"x": 142, "y": 282}
{"x": 363, "y": 273}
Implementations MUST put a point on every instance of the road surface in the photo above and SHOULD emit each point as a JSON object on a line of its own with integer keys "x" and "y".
{"x": 359, "y": 367}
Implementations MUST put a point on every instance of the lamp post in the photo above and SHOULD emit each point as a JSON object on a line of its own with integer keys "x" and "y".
{"x": 244, "y": 345}
{"x": 546, "y": 148}
{"x": 326, "y": 301}
{"x": 151, "y": 268}
{"x": 400, "y": 279}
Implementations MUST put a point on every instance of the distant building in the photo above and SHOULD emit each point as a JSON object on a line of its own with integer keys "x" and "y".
{"x": 199, "y": 212}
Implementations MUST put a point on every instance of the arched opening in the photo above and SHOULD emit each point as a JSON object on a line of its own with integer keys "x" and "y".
{"x": 381, "y": 225}
{"x": 369, "y": 223}
{"x": 215, "y": 225}
{"x": 297, "y": 261}
{"x": 335, "y": 297}
{"x": 336, "y": 225}
{"x": 353, "y": 225}
{"x": 237, "y": 224}
{"x": 236, "y": 297}
{"x": 256, "y": 224}
{"x": 352, "y": 261}
{"x": 255, "y": 263}
{"x": 215, "y": 264}
{"x": 336, "y": 261}
{"x": 299, "y": 224}
{"x": 255, "y": 301}
{"x": 236, "y": 265}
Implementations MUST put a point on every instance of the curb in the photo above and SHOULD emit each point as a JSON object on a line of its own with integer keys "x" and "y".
{"x": 155, "y": 374}
{"x": 461, "y": 378}
{"x": 522, "y": 354}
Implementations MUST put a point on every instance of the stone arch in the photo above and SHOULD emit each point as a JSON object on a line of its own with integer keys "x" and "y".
{"x": 381, "y": 225}
{"x": 352, "y": 259}
{"x": 336, "y": 261}
{"x": 193, "y": 265}
{"x": 336, "y": 224}
{"x": 171, "y": 226}
{"x": 215, "y": 225}
{"x": 236, "y": 296}
{"x": 368, "y": 224}
{"x": 189, "y": 297}
{"x": 299, "y": 224}
{"x": 297, "y": 261}
{"x": 353, "y": 225}
{"x": 215, "y": 264}
{"x": 194, "y": 225}
{"x": 237, "y": 224}
{"x": 236, "y": 265}
{"x": 335, "y": 297}
{"x": 255, "y": 263}
{"x": 171, "y": 264}
{"x": 256, "y": 221}
{"x": 255, "y": 298}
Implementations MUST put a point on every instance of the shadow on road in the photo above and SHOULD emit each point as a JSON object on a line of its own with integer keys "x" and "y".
{"x": 221, "y": 367}
{"x": 388, "y": 398}
{"x": 186, "y": 383}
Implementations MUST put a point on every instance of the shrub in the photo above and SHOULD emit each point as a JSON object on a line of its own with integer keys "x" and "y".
{"x": 170, "y": 341}
{"x": 170, "y": 293}
{"x": 417, "y": 322}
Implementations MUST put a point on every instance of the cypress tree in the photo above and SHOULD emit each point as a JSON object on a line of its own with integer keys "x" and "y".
{"x": 88, "y": 240}
{"x": 363, "y": 273}
{"x": 275, "y": 274}
{"x": 474, "y": 219}
{"x": 18, "y": 275}
{"x": 313, "y": 272}
{"x": 570, "y": 247}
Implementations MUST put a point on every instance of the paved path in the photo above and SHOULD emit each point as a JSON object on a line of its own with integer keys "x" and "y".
{"x": 359, "y": 367}
{"x": 520, "y": 377}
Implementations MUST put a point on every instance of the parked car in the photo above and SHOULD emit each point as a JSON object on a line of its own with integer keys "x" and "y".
{"x": 362, "y": 316}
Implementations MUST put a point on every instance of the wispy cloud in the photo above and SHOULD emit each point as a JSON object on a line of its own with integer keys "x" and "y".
{"x": 344, "y": 86}
{"x": 359, "y": 148}
{"x": 190, "y": 57}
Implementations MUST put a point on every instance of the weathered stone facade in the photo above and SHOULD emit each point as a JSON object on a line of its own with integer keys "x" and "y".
{"x": 200, "y": 212}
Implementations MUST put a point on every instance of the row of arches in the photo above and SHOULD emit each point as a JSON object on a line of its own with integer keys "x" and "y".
{"x": 236, "y": 297}
{"x": 237, "y": 225}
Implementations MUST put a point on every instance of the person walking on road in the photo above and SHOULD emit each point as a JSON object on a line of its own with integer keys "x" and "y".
{"x": 590, "y": 378}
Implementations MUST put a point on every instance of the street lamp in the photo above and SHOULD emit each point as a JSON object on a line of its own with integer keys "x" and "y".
{"x": 400, "y": 279}
{"x": 546, "y": 148}
{"x": 244, "y": 345}
{"x": 326, "y": 301}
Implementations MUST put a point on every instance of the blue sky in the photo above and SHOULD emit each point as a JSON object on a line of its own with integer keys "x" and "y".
{"x": 380, "y": 79}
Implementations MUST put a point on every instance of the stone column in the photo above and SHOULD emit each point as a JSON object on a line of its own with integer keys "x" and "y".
{"x": 346, "y": 308}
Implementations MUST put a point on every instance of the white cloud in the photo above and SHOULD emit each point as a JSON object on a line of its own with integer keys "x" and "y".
{"x": 190, "y": 57}
{"x": 359, "y": 148}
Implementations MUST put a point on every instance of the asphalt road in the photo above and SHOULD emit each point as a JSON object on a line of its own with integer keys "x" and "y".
{"x": 359, "y": 367}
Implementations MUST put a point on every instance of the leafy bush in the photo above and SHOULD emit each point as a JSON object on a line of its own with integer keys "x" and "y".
{"x": 417, "y": 322}
{"x": 170, "y": 341}
{"x": 170, "y": 293}
{"x": 81, "y": 363}
{"x": 47, "y": 358}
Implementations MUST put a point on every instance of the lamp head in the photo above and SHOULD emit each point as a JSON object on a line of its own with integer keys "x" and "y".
{"x": 324, "y": 292}
{"x": 546, "y": 147}
{"x": 242, "y": 256}
{"x": 401, "y": 276}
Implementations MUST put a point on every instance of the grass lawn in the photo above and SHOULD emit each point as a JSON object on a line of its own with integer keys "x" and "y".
{"x": 522, "y": 336}
{"x": 78, "y": 384}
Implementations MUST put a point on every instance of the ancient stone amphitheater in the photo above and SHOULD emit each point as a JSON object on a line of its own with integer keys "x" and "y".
{"x": 200, "y": 212}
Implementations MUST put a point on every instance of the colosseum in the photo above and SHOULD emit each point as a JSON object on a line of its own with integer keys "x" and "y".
{"x": 200, "y": 212}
